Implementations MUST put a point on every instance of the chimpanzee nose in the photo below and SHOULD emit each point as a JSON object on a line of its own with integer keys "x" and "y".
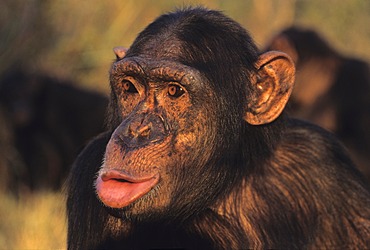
{"x": 142, "y": 129}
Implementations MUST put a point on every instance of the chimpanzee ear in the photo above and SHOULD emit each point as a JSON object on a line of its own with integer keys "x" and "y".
{"x": 272, "y": 86}
{"x": 120, "y": 52}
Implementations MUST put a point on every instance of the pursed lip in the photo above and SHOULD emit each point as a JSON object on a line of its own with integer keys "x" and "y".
{"x": 120, "y": 175}
{"x": 118, "y": 189}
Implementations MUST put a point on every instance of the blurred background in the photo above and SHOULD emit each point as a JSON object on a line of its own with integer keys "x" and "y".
{"x": 54, "y": 62}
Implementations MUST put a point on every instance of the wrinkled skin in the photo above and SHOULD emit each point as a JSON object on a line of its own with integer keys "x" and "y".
{"x": 154, "y": 138}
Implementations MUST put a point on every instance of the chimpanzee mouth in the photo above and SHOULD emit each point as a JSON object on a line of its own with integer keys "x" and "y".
{"x": 121, "y": 180}
{"x": 117, "y": 189}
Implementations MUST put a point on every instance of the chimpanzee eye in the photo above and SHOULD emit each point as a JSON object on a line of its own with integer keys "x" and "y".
{"x": 129, "y": 87}
{"x": 175, "y": 90}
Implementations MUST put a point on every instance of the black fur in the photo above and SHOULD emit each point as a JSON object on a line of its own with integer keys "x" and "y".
{"x": 286, "y": 184}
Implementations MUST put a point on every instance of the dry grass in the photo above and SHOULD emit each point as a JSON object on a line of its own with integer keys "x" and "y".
{"x": 35, "y": 221}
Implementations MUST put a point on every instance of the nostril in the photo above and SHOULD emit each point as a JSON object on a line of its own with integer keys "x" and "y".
{"x": 130, "y": 131}
{"x": 141, "y": 131}
{"x": 144, "y": 131}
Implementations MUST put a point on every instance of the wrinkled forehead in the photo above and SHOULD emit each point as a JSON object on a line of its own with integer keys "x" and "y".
{"x": 154, "y": 68}
{"x": 157, "y": 46}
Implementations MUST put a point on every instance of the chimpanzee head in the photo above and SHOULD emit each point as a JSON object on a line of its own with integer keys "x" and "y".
{"x": 193, "y": 107}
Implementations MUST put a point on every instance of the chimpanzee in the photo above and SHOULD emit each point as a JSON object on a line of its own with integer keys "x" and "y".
{"x": 199, "y": 156}
{"x": 331, "y": 90}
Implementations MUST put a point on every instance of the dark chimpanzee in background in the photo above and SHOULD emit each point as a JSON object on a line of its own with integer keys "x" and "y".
{"x": 11, "y": 165}
{"x": 331, "y": 90}
{"x": 198, "y": 155}
{"x": 48, "y": 121}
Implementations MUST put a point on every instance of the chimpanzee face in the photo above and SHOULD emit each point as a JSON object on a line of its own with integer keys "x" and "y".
{"x": 163, "y": 119}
